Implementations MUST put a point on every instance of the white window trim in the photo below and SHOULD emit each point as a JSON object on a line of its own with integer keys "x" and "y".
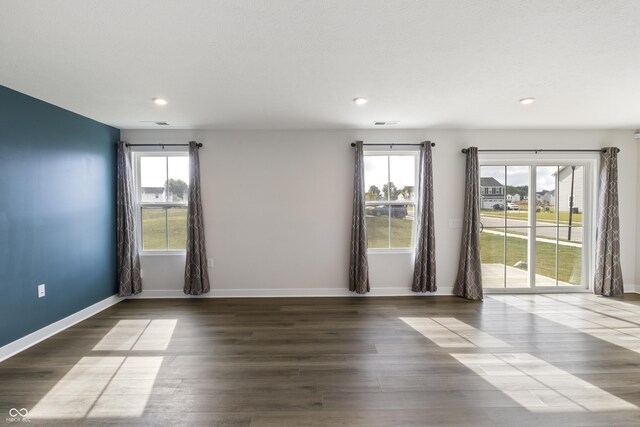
{"x": 591, "y": 164}
{"x": 385, "y": 150}
{"x": 137, "y": 154}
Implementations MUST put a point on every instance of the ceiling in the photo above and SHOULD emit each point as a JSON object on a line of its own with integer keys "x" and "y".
{"x": 278, "y": 64}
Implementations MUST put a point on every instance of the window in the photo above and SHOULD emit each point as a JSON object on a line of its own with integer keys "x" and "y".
{"x": 390, "y": 199}
{"x": 544, "y": 244}
{"x": 162, "y": 189}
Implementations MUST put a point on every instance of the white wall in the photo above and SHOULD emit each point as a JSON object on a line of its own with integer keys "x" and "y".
{"x": 278, "y": 206}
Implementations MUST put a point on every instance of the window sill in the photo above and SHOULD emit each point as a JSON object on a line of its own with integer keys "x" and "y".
{"x": 159, "y": 253}
{"x": 390, "y": 251}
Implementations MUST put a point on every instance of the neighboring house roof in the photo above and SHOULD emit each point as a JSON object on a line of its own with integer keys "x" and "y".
{"x": 489, "y": 182}
{"x": 153, "y": 190}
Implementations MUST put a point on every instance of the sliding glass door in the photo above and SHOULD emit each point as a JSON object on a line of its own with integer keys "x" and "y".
{"x": 559, "y": 225}
{"x": 533, "y": 225}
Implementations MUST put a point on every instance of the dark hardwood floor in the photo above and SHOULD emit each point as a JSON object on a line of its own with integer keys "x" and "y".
{"x": 527, "y": 360}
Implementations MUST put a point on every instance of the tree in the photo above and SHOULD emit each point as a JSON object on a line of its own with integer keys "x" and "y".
{"x": 176, "y": 187}
{"x": 374, "y": 193}
{"x": 521, "y": 190}
{"x": 407, "y": 191}
{"x": 390, "y": 191}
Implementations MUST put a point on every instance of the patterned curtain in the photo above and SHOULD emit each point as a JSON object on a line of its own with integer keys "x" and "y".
{"x": 129, "y": 279}
{"x": 608, "y": 275}
{"x": 424, "y": 271}
{"x": 358, "y": 262}
{"x": 469, "y": 281}
{"x": 196, "y": 275}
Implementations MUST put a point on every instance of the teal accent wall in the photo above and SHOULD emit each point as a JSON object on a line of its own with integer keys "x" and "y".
{"x": 57, "y": 213}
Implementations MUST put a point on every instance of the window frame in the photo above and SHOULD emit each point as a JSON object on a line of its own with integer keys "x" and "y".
{"x": 591, "y": 165}
{"x": 137, "y": 156}
{"x": 386, "y": 150}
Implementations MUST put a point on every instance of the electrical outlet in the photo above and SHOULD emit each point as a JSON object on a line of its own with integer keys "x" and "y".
{"x": 40, "y": 290}
{"x": 210, "y": 262}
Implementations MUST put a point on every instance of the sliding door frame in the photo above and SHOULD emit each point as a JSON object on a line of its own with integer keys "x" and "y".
{"x": 590, "y": 163}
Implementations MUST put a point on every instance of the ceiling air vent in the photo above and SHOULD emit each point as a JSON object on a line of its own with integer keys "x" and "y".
{"x": 387, "y": 123}
{"x": 153, "y": 121}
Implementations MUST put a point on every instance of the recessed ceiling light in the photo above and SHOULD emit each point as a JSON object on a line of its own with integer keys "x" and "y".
{"x": 160, "y": 101}
{"x": 527, "y": 101}
{"x": 360, "y": 101}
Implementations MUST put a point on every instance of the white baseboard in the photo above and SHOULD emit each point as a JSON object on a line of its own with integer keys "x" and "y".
{"x": 285, "y": 293}
{"x": 41, "y": 334}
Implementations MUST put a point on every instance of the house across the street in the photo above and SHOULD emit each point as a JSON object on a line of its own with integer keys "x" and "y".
{"x": 152, "y": 194}
{"x": 491, "y": 192}
{"x": 564, "y": 188}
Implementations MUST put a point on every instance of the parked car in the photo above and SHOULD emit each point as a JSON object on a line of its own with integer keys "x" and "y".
{"x": 498, "y": 207}
{"x": 397, "y": 211}
{"x": 512, "y": 206}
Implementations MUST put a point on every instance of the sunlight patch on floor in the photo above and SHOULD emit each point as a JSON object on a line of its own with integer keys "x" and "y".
{"x": 98, "y": 387}
{"x": 602, "y": 305}
{"x": 138, "y": 335}
{"x": 539, "y": 386}
{"x": 120, "y": 399}
{"x": 569, "y": 315}
{"x": 111, "y": 386}
{"x": 587, "y": 316}
{"x": 628, "y": 338}
{"x": 74, "y": 395}
{"x": 449, "y": 332}
{"x": 122, "y": 336}
{"x": 156, "y": 336}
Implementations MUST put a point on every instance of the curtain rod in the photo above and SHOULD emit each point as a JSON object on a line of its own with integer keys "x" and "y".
{"x": 433, "y": 144}
{"x": 540, "y": 150}
{"x": 162, "y": 145}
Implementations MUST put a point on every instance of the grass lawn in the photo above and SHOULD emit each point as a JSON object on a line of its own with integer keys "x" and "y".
{"x": 569, "y": 257}
{"x": 563, "y": 217}
{"x": 378, "y": 232}
{"x": 155, "y": 233}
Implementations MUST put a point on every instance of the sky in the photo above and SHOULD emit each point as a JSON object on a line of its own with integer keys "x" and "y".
{"x": 153, "y": 170}
{"x": 403, "y": 171}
